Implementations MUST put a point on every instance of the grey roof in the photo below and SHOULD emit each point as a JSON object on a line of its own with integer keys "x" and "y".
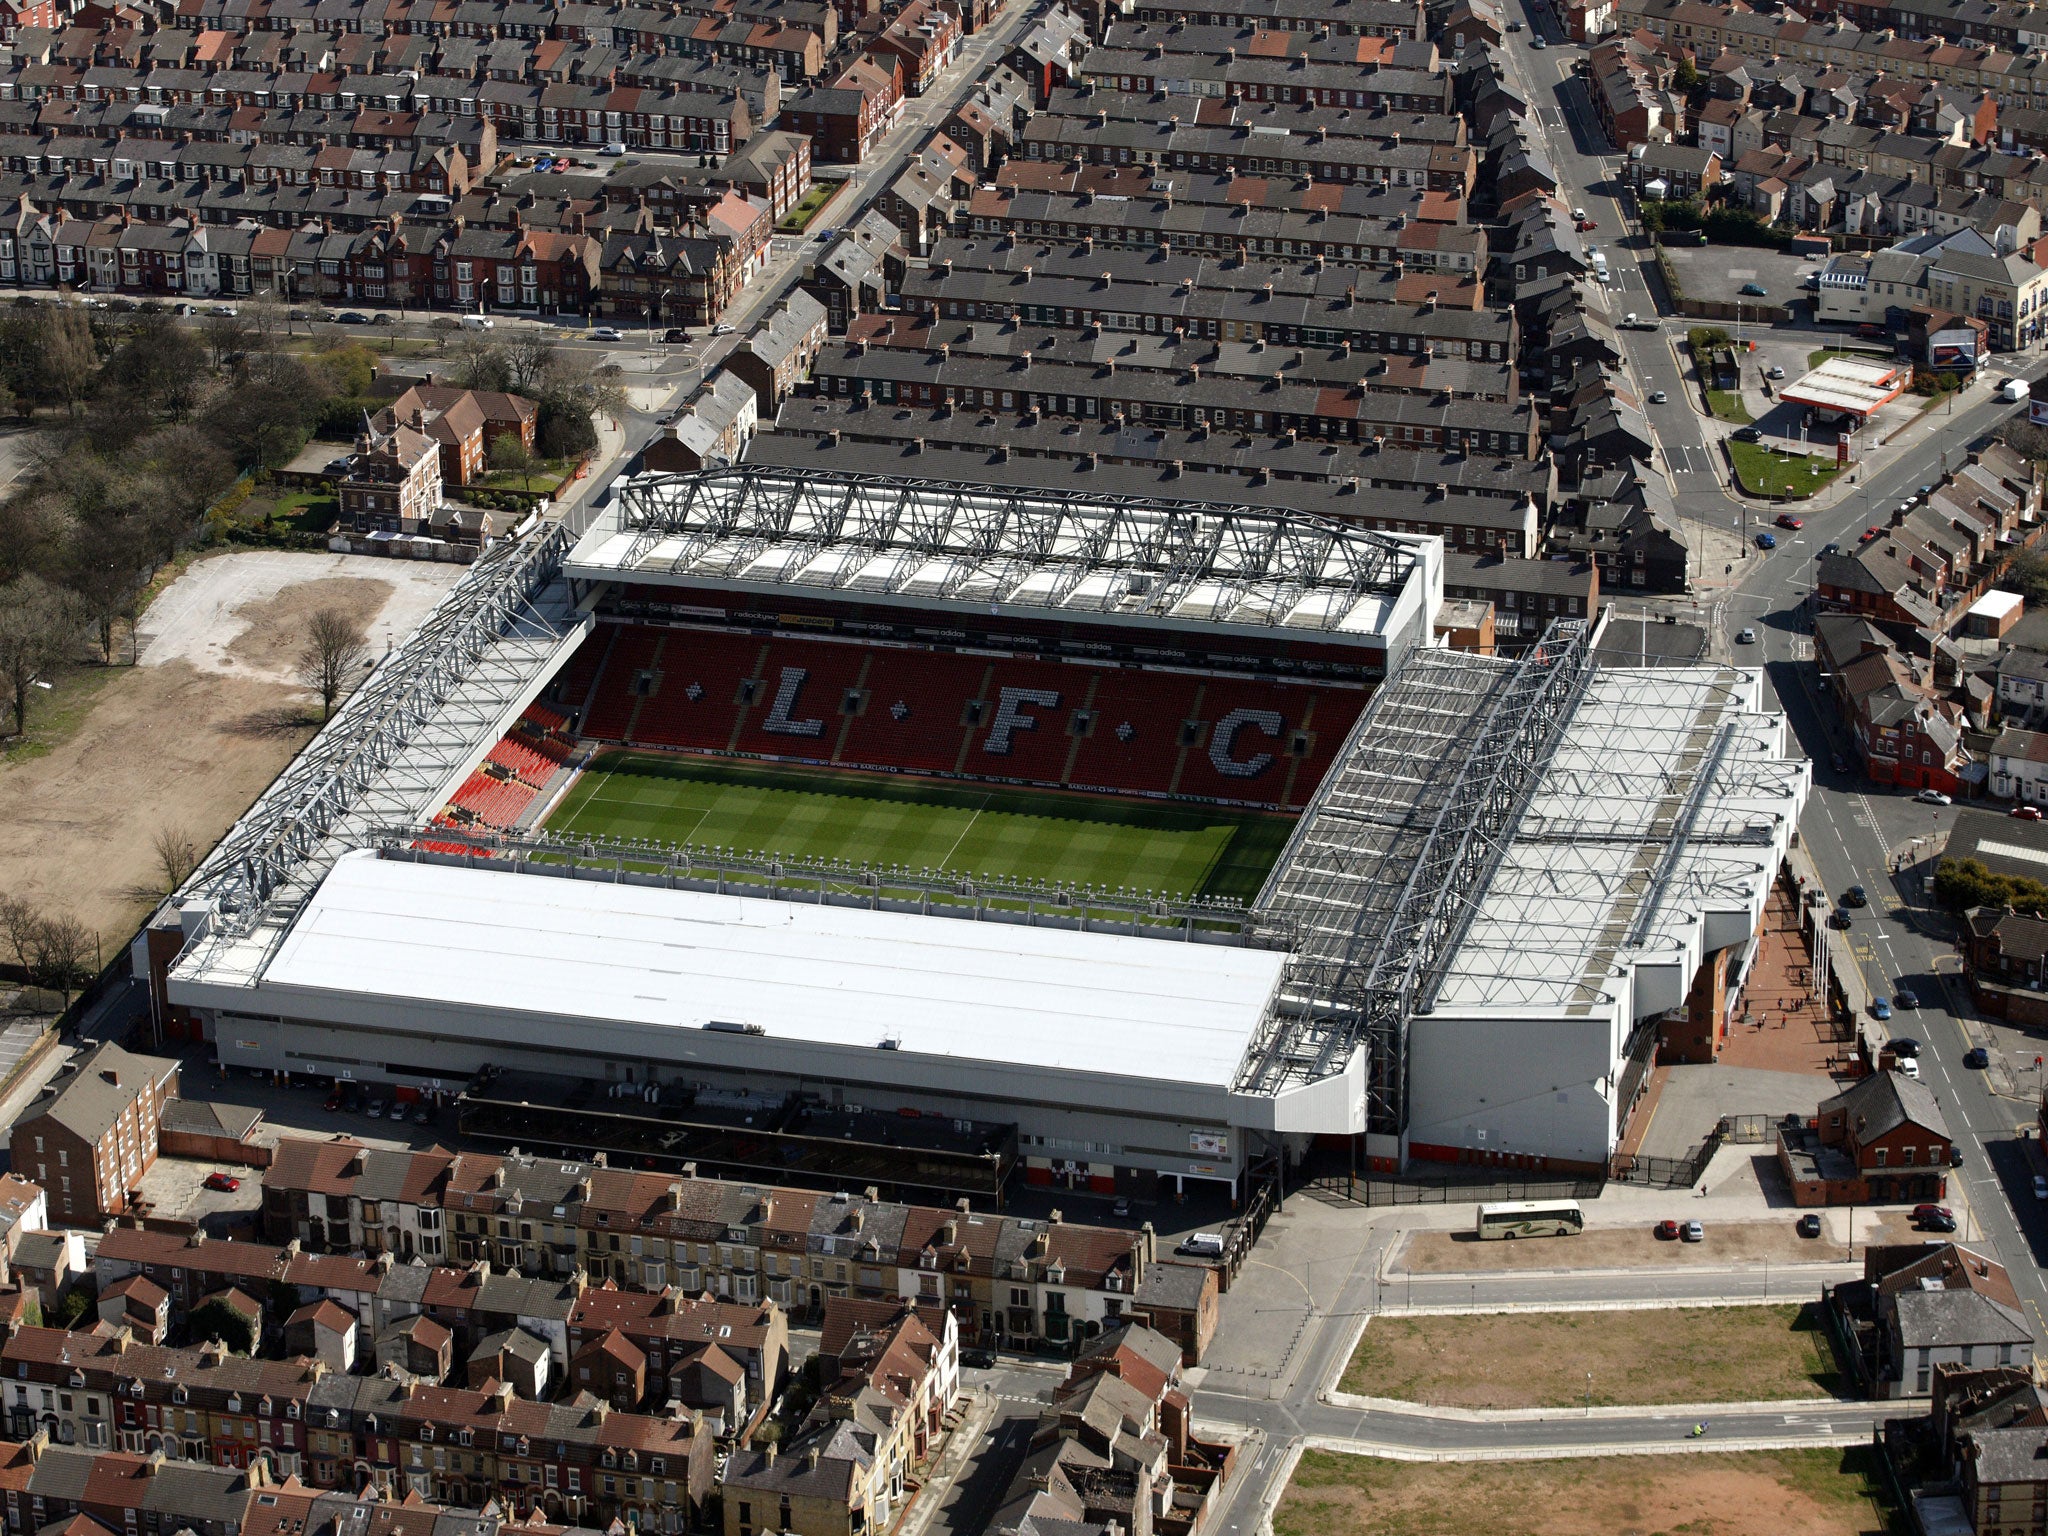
{"x": 1179, "y": 1286}
{"x": 86, "y": 1103}
{"x": 1883, "y": 1102}
{"x": 1947, "y": 1319}
{"x": 204, "y": 1117}
{"x": 2009, "y": 1455}
{"x": 516, "y": 1342}
{"x": 39, "y": 1250}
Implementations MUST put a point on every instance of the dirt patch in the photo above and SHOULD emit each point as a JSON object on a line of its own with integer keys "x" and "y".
{"x": 162, "y": 746}
{"x": 1595, "y": 1359}
{"x": 1788, "y": 1493}
{"x": 276, "y": 632}
{"x": 1441, "y": 1253}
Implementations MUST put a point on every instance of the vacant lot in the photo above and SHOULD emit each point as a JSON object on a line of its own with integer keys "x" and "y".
{"x": 1611, "y": 1359}
{"x": 189, "y": 737}
{"x": 1750, "y": 1242}
{"x": 1786, "y": 1493}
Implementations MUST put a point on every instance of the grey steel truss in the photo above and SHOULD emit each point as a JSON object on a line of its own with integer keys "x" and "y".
{"x": 949, "y": 540}
{"x": 428, "y": 711}
{"x": 1381, "y": 873}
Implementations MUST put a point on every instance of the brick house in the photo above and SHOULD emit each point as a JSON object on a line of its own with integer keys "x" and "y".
{"x": 393, "y": 483}
{"x": 846, "y": 119}
{"x": 777, "y": 354}
{"x": 1881, "y": 1142}
{"x": 2005, "y": 955}
{"x": 93, "y": 1134}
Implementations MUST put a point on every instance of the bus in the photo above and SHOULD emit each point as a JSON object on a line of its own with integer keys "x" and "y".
{"x": 1532, "y": 1218}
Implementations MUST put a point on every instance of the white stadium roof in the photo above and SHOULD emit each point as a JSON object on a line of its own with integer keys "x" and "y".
{"x": 933, "y": 543}
{"x": 414, "y": 935}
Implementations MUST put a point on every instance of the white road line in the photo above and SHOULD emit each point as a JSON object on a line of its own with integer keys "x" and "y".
{"x": 963, "y": 833}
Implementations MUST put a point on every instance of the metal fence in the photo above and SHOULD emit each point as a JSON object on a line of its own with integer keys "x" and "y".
{"x": 1667, "y": 1172}
{"x": 1453, "y": 1188}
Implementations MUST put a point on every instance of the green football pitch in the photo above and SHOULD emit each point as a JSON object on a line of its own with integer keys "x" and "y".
{"x": 1179, "y": 850}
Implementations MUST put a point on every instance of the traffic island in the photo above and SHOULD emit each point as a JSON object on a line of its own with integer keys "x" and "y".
{"x": 1825, "y": 1492}
{"x": 1768, "y": 474}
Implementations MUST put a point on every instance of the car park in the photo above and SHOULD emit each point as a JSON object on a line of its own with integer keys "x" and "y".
{"x": 1809, "y": 1225}
{"x": 226, "y": 1183}
{"x": 1933, "y": 797}
{"x": 1693, "y": 1232}
{"x": 1976, "y": 1056}
{"x": 1855, "y": 896}
{"x": 1880, "y": 1009}
{"x": 1767, "y": 541}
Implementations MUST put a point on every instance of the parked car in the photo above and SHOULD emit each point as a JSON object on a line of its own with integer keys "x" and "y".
{"x": 1955, "y": 1155}
{"x": 1787, "y": 520}
{"x": 380, "y": 318}
{"x": 1838, "y": 762}
{"x": 1121, "y": 1206}
{"x": 1933, "y": 797}
{"x": 333, "y": 1104}
{"x": 1693, "y": 1232}
{"x": 400, "y": 1111}
{"x": 723, "y": 330}
{"x": 1909, "y": 1066}
{"x": 226, "y": 1183}
{"x": 1767, "y": 541}
{"x": 1747, "y": 435}
{"x": 423, "y": 1116}
{"x": 1940, "y": 1223}
{"x": 1774, "y": 372}
{"x": 374, "y": 1109}
{"x": 1880, "y": 1009}
{"x": 2026, "y": 812}
{"x": 1855, "y": 896}
{"x": 1754, "y": 291}
{"x": 2041, "y": 1186}
{"x": 675, "y": 335}
{"x": 1976, "y": 1056}
{"x": 351, "y": 317}
{"x": 1928, "y": 1208}
{"x": 1904, "y": 1045}
{"x": 337, "y": 466}
{"x": 1871, "y": 532}
{"x": 1839, "y": 918}
{"x": 1666, "y": 1232}
{"x": 978, "y": 1359}
{"x": 1809, "y": 1225}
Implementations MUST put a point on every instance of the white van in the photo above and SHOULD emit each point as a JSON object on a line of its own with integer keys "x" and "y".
{"x": 478, "y": 323}
{"x": 616, "y": 147}
{"x": 2013, "y": 391}
{"x": 1204, "y": 1245}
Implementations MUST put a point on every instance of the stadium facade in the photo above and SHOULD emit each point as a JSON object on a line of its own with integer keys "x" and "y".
{"x": 1504, "y": 872}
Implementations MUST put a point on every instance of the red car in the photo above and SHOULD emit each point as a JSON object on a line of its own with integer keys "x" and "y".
{"x": 1787, "y": 520}
{"x": 2026, "y": 812}
{"x": 1585, "y": 226}
{"x": 1922, "y": 1212}
{"x": 226, "y": 1183}
{"x": 1667, "y": 1231}
{"x": 1871, "y": 532}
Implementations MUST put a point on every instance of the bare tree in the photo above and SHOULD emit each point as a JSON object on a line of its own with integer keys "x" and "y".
{"x": 510, "y": 456}
{"x": 176, "y": 856}
{"x": 18, "y": 923}
{"x": 335, "y": 650}
{"x": 62, "y": 952}
{"x": 36, "y": 624}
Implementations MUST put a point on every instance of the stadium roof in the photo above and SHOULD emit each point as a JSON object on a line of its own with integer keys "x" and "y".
{"x": 506, "y": 947}
{"x": 936, "y": 543}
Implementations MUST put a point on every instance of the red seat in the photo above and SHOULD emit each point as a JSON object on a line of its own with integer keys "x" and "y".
{"x": 696, "y": 689}
{"x": 916, "y": 700}
{"x": 818, "y": 675}
{"x": 612, "y": 697}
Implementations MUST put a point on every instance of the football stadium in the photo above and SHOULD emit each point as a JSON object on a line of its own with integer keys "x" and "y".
{"x": 787, "y": 824}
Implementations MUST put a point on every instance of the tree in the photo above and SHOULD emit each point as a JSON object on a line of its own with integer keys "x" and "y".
{"x": 511, "y": 456}
{"x": 334, "y": 651}
{"x": 264, "y": 421}
{"x": 228, "y": 336}
{"x": 159, "y": 367}
{"x": 2029, "y": 574}
{"x": 1685, "y": 77}
{"x": 215, "y": 1319}
{"x": 66, "y": 358}
{"x": 36, "y": 625}
{"x": 18, "y": 923}
{"x": 62, "y": 948}
{"x": 176, "y": 856}
{"x": 103, "y": 570}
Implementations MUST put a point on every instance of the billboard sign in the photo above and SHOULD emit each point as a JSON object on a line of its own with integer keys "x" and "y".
{"x": 2037, "y": 412}
{"x": 1952, "y": 348}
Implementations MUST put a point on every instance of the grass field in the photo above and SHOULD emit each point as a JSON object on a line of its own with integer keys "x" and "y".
{"x": 924, "y": 824}
{"x": 1788, "y": 1493}
{"x": 1595, "y": 1359}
